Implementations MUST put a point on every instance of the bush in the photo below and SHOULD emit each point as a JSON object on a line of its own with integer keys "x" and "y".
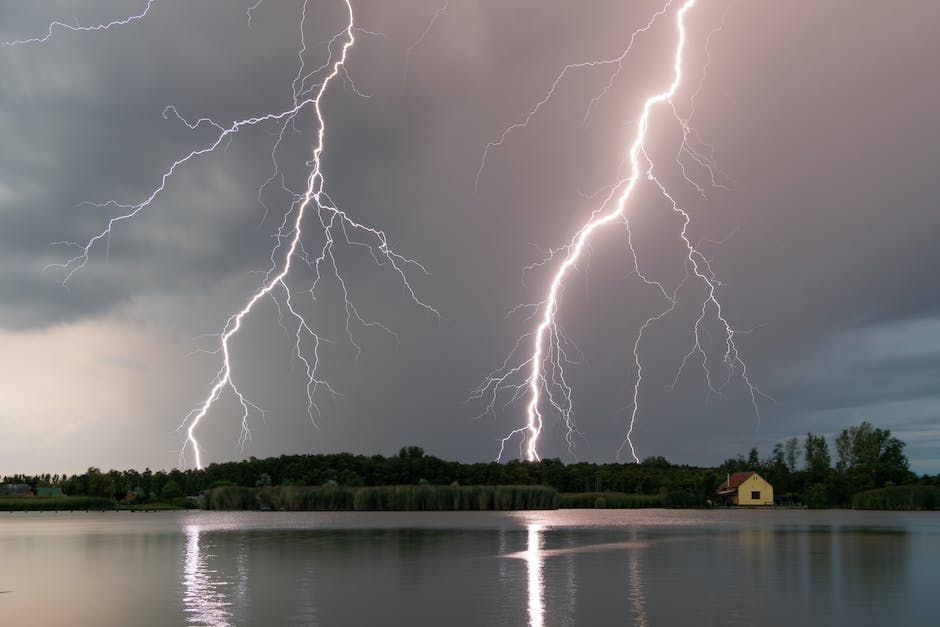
{"x": 170, "y": 490}
{"x": 816, "y": 496}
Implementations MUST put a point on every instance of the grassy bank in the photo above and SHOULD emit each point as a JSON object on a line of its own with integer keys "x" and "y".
{"x": 622, "y": 500}
{"x": 86, "y": 503}
{"x": 382, "y": 498}
{"x": 916, "y": 497}
{"x": 64, "y": 503}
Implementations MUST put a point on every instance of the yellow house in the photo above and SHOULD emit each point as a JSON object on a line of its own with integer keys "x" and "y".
{"x": 745, "y": 488}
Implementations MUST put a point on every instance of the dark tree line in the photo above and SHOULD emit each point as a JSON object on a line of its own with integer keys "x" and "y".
{"x": 802, "y": 472}
{"x": 410, "y": 467}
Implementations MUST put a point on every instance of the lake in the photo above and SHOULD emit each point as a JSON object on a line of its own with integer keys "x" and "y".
{"x": 565, "y": 567}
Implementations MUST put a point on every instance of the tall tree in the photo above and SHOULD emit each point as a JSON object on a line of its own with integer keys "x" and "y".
{"x": 818, "y": 458}
{"x": 791, "y": 453}
{"x": 753, "y": 459}
{"x": 871, "y": 457}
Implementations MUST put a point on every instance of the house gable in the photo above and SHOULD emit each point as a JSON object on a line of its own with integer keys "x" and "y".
{"x": 745, "y": 488}
{"x": 755, "y": 491}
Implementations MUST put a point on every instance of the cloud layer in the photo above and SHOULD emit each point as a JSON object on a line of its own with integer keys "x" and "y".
{"x": 821, "y": 118}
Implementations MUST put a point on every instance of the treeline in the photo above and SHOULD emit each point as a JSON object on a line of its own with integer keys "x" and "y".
{"x": 802, "y": 472}
{"x": 411, "y": 466}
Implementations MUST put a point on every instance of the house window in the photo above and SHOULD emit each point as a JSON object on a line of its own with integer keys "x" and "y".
{"x": 755, "y": 495}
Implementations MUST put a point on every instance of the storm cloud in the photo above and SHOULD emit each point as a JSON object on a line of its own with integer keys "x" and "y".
{"x": 820, "y": 116}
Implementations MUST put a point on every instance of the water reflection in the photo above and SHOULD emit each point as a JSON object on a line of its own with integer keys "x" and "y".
{"x": 777, "y": 568}
{"x": 571, "y": 588}
{"x": 553, "y": 585}
{"x": 203, "y": 598}
{"x": 241, "y": 578}
{"x": 534, "y": 564}
{"x": 637, "y": 593}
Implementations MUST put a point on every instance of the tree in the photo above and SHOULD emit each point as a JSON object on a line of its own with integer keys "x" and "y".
{"x": 777, "y": 456}
{"x": 99, "y": 484}
{"x": 775, "y": 470}
{"x": 790, "y": 453}
{"x": 871, "y": 457}
{"x": 170, "y": 490}
{"x": 818, "y": 458}
{"x": 753, "y": 459}
{"x": 411, "y": 452}
{"x": 350, "y": 478}
{"x": 656, "y": 461}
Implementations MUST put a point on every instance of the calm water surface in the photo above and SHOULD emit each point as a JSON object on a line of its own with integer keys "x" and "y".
{"x": 569, "y": 567}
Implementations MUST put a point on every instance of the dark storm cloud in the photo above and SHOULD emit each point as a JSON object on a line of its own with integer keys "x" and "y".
{"x": 823, "y": 124}
{"x": 88, "y": 127}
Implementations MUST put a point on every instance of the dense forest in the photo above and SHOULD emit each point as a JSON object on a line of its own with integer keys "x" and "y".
{"x": 869, "y": 467}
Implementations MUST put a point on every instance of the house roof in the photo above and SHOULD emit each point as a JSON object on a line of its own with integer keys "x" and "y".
{"x": 735, "y": 480}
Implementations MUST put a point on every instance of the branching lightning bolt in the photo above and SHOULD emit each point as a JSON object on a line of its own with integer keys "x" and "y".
{"x": 540, "y": 377}
{"x": 76, "y": 28}
{"x": 308, "y": 90}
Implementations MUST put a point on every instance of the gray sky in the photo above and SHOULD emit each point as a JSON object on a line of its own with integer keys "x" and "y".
{"x": 819, "y": 115}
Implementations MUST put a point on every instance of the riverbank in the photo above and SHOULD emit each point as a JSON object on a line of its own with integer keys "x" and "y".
{"x": 382, "y": 498}
{"x": 86, "y": 504}
{"x": 438, "y": 498}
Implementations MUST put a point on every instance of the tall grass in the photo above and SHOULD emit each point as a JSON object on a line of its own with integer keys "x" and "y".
{"x": 622, "y": 500}
{"x": 610, "y": 500}
{"x": 685, "y": 500}
{"x": 903, "y": 497}
{"x": 382, "y": 498}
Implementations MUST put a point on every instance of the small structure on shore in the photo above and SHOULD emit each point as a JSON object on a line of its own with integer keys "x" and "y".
{"x": 745, "y": 488}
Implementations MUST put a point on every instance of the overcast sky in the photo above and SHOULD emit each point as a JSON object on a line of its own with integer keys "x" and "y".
{"x": 820, "y": 118}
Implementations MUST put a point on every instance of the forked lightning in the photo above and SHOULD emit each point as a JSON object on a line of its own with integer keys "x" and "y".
{"x": 540, "y": 376}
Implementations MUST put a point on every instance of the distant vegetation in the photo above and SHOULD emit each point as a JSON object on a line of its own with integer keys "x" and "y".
{"x": 622, "y": 500}
{"x": 69, "y": 503}
{"x": 869, "y": 471}
{"x": 902, "y": 497}
{"x": 381, "y": 498}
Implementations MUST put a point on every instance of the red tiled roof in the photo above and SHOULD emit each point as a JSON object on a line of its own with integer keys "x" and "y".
{"x": 735, "y": 480}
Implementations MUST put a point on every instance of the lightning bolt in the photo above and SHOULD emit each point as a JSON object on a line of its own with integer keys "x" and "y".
{"x": 540, "y": 377}
{"x": 54, "y": 26}
{"x": 427, "y": 29}
{"x": 336, "y": 227}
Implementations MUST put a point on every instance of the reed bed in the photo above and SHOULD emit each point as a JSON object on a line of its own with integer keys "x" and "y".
{"x": 622, "y": 500}
{"x": 610, "y": 500}
{"x": 382, "y": 498}
{"x": 903, "y": 497}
